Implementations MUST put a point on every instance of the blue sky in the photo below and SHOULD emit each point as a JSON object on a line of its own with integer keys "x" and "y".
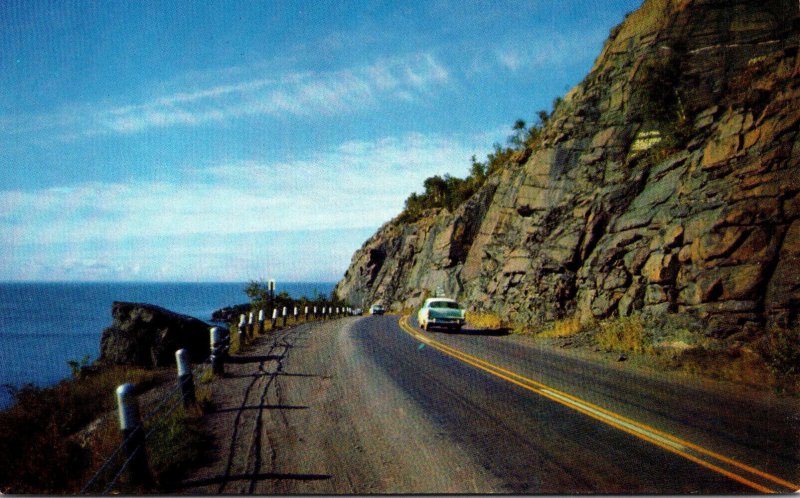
{"x": 230, "y": 140}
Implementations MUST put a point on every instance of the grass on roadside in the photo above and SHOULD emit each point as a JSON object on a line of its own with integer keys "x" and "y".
{"x": 53, "y": 440}
{"x": 39, "y": 452}
{"x": 563, "y": 328}
{"x": 677, "y": 343}
{"x": 487, "y": 321}
{"x": 624, "y": 335}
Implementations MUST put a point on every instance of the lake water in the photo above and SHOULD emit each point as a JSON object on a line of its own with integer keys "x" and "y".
{"x": 44, "y": 325}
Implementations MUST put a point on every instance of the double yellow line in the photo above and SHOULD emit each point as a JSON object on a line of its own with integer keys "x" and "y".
{"x": 744, "y": 474}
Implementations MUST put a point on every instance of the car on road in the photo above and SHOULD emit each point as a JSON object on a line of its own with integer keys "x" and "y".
{"x": 377, "y": 309}
{"x": 441, "y": 312}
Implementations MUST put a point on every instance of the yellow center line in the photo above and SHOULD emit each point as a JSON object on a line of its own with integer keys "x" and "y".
{"x": 642, "y": 431}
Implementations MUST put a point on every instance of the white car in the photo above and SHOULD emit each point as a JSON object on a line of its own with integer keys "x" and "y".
{"x": 441, "y": 312}
{"x": 377, "y": 309}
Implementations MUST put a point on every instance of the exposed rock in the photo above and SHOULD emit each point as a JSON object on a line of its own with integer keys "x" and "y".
{"x": 147, "y": 335}
{"x": 669, "y": 180}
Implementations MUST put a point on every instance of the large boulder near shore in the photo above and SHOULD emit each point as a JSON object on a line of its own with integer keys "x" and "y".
{"x": 230, "y": 313}
{"x": 148, "y": 335}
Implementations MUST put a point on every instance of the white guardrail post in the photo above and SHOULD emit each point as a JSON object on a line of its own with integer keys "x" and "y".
{"x": 260, "y": 321}
{"x": 274, "y": 317}
{"x": 130, "y": 422}
{"x": 284, "y": 316}
{"x": 242, "y": 330}
{"x": 185, "y": 377}
{"x": 217, "y": 352}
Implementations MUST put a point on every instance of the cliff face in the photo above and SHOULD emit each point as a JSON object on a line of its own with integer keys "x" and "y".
{"x": 667, "y": 181}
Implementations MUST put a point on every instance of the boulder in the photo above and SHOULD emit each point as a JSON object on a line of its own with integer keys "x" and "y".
{"x": 147, "y": 335}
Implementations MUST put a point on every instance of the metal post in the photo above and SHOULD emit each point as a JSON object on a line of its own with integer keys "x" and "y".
{"x": 316, "y": 315}
{"x": 274, "y": 317}
{"x": 242, "y": 330}
{"x": 306, "y": 313}
{"x": 324, "y": 312}
{"x": 295, "y": 314}
{"x": 250, "y": 325}
{"x": 284, "y": 316}
{"x": 185, "y": 377}
{"x": 271, "y": 288}
{"x": 217, "y": 354}
{"x": 260, "y": 321}
{"x": 130, "y": 423}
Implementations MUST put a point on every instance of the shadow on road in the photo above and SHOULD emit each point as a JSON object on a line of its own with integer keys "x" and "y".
{"x": 256, "y": 477}
{"x": 469, "y": 331}
{"x": 254, "y": 359}
{"x": 274, "y": 374}
{"x": 502, "y": 331}
{"x": 261, "y": 407}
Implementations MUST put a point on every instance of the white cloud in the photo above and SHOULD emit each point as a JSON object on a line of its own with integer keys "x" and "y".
{"x": 94, "y": 229}
{"x": 295, "y": 93}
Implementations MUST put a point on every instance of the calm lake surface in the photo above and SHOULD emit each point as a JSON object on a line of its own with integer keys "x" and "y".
{"x": 44, "y": 325}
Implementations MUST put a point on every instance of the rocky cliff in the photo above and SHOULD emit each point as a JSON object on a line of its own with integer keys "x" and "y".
{"x": 148, "y": 335}
{"x": 667, "y": 181}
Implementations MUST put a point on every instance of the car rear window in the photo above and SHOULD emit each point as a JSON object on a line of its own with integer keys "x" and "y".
{"x": 444, "y": 304}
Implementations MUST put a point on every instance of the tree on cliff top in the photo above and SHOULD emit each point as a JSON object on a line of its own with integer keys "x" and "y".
{"x": 449, "y": 192}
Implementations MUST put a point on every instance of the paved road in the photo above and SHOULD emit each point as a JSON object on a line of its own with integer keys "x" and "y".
{"x": 370, "y": 405}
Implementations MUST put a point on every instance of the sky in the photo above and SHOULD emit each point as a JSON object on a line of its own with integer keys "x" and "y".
{"x": 232, "y": 141}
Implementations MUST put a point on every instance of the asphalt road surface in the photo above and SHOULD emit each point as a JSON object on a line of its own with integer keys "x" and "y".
{"x": 374, "y": 405}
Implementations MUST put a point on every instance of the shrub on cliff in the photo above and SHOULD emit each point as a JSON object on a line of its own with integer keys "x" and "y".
{"x": 450, "y": 192}
{"x": 260, "y": 298}
{"x": 39, "y": 452}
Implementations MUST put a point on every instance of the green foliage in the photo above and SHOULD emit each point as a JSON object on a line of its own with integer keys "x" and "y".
{"x": 77, "y": 366}
{"x": 260, "y": 298}
{"x": 179, "y": 444}
{"x": 449, "y": 192}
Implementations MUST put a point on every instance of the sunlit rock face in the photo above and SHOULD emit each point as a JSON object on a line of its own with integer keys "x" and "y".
{"x": 667, "y": 181}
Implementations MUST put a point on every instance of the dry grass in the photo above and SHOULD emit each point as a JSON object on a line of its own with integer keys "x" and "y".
{"x": 487, "y": 321}
{"x": 564, "y": 328}
{"x": 624, "y": 335}
{"x": 780, "y": 349}
{"x": 40, "y": 447}
{"x": 737, "y": 365}
{"x": 54, "y": 439}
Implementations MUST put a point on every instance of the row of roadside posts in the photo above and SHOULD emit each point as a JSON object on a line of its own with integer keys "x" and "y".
{"x": 130, "y": 420}
{"x": 254, "y": 323}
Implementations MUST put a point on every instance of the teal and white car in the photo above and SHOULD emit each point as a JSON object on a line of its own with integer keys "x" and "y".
{"x": 441, "y": 312}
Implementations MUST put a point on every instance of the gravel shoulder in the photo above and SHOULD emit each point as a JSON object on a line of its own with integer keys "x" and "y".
{"x": 302, "y": 412}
